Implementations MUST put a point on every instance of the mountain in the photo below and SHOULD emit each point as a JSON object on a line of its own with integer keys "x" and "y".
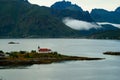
{"x": 118, "y": 10}
{"x": 61, "y": 5}
{"x": 113, "y": 34}
{"x": 101, "y": 15}
{"x": 63, "y": 9}
{"x": 110, "y": 22}
{"x": 20, "y": 19}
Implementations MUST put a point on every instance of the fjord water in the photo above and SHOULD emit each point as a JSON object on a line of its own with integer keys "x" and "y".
{"x": 108, "y": 69}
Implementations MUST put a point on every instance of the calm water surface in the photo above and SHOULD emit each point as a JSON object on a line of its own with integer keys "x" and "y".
{"x": 108, "y": 69}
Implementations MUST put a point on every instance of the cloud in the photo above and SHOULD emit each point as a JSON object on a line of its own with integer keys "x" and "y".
{"x": 115, "y": 25}
{"x": 79, "y": 25}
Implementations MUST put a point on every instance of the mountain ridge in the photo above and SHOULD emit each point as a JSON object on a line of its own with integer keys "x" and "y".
{"x": 117, "y": 10}
{"x": 61, "y": 5}
{"x": 20, "y": 19}
{"x": 102, "y": 15}
{"x": 64, "y": 9}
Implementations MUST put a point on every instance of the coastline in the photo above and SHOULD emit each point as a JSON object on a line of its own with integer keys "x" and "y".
{"x": 30, "y": 58}
{"x": 112, "y": 53}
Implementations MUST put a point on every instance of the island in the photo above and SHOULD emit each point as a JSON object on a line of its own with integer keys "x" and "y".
{"x": 33, "y": 57}
{"x": 112, "y": 53}
{"x": 13, "y": 43}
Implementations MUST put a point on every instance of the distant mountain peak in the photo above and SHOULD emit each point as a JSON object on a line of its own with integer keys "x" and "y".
{"x": 102, "y": 15}
{"x": 61, "y": 5}
{"x": 99, "y": 10}
{"x": 118, "y": 10}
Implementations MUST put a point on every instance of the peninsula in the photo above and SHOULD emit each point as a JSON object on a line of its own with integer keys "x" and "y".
{"x": 33, "y": 57}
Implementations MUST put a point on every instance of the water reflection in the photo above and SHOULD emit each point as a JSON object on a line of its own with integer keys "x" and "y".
{"x": 15, "y": 67}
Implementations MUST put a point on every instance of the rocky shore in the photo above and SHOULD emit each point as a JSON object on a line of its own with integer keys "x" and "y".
{"x": 112, "y": 53}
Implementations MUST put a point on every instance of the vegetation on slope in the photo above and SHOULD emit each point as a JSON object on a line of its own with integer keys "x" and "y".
{"x": 113, "y": 34}
{"x": 33, "y": 57}
{"x": 101, "y": 15}
{"x": 20, "y": 19}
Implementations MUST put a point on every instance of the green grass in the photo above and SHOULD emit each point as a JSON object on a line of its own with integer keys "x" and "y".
{"x": 33, "y": 57}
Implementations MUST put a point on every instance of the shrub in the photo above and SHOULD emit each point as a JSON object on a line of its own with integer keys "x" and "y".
{"x": 22, "y": 52}
{"x": 33, "y": 51}
{"x": 1, "y": 51}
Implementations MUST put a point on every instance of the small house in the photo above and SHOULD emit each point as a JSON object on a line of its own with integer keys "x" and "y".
{"x": 44, "y": 50}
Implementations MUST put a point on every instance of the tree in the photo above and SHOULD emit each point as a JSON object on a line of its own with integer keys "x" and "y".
{"x": 1, "y": 51}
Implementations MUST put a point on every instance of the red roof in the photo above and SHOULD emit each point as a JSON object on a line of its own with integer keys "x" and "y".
{"x": 44, "y": 49}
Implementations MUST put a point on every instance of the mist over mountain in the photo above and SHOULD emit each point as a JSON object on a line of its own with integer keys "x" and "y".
{"x": 20, "y": 19}
{"x": 109, "y": 20}
{"x": 74, "y": 17}
{"x": 101, "y": 15}
{"x": 64, "y": 9}
{"x": 80, "y": 25}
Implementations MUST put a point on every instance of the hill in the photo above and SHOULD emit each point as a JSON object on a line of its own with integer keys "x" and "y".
{"x": 20, "y": 19}
{"x": 110, "y": 21}
{"x": 64, "y": 9}
{"x": 113, "y": 34}
{"x": 117, "y": 10}
{"x": 101, "y": 15}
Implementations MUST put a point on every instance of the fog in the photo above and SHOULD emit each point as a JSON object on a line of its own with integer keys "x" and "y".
{"x": 79, "y": 25}
{"x": 115, "y": 25}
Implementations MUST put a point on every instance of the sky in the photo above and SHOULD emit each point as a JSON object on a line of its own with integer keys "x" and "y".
{"x": 109, "y": 5}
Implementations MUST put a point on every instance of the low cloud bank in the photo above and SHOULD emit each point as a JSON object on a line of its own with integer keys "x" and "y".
{"x": 103, "y": 23}
{"x": 79, "y": 25}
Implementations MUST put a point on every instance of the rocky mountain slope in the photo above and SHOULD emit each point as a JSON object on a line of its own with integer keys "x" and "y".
{"x": 20, "y": 19}
{"x": 101, "y": 15}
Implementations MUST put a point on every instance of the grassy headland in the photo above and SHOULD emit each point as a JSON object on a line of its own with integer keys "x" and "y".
{"x": 33, "y": 57}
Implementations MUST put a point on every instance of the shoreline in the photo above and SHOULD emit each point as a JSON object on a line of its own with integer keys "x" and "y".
{"x": 112, "y": 53}
{"x": 30, "y": 58}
